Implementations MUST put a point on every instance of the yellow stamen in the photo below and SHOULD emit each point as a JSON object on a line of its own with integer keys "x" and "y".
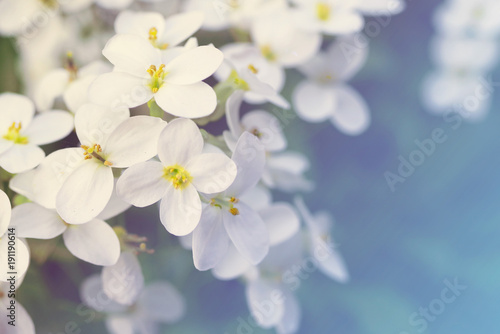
{"x": 234, "y": 200}
{"x": 71, "y": 67}
{"x": 107, "y": 163}
{"x": 157, "y": 76}
{"x": 237, "y": 81}
{"x": 253, "y": 69}
{"x": 14, "y": 135}
{"x": 268, "y": 53}
{"x": 92, "y": 152}
{"x": 179, "y": 177}
{"x": 234, "y": 211}
{"x": 153, "y": 38}
{"x": 323, "y": 11}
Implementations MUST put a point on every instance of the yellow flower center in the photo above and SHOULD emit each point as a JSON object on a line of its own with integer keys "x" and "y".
{"x": 153, "y": 38}
{"x": 237, "y": 81}
{"x": 253, "y": 69}
{"x": 323, "y": 11}
{"x": 50, "y": 3}
{"x": 226, "y": 204}
{"x": 14, "y": 135}
{"x": 93, "y": 152}
{"x": 157, "y": 76}
{"x": 71, "y": 67}
{"x": 268, "y": 53}
{"x": 179, "y": 177}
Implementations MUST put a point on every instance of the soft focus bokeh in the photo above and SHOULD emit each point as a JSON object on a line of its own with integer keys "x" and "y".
{"x": 402, "y": 247}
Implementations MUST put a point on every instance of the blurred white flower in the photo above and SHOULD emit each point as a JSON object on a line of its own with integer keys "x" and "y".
{"x": 23, "y": 321}
{"x": 143, "y": 72}
{"x": 325, "y": 96}
{"x": 176, "y": 180}
{"x": 21, "y": 133}
{"x": 228, "y": 219}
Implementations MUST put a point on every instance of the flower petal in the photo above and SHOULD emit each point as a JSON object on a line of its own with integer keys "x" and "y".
{"x": 211, "y": 172}
{"x": 268, "y": 127}
{"x": 161, "y": 302}
{"x": 85, "y": 192}
{"x": 189, "y": 101}
{"x": 329, "y": 260}
{"x": 133, "y": 141}
{"x": 188, "y": 142}
{"x": 51, "y": 87}
{"x": 22, "y": 257}
{"x": 248, "y": 232}
{"x": 5, "y": 145}
{"x": 131, "y": 54}
{"x": 232, "y": 265}
{"x": 290, "y": 321}
{"x": 123, "y": 281}
{"x": 93, "y": 296}
{"x": 49, "y": 127}
{"x": 119, "y": 90}
{"x": 314, "y": 102}
{"x": 210, "y": 240}
{"x": 142, "y": 184}
{"x": 351, "y": 116}
{"x": 193, "y": 66}
{"x": 15, "y": 108}
{"x": 94, "y": 242}
{"x": 249, "y": 156}
{"x": 95, "y": 123}
{"x": 50, "y": 175}
{"x": 179, "y": 27}
{"x": 21, "y": 158}
{"x": 281, "y": 221}
{"x": 5, "y": 212}
{"x": 138, "y": 23}
{"x": 34, "y": 221}
{"x": 180, "y": 210}
{"x": 114, "y": 207}
{"x": 118, "y": 324}
{"x": 260, "y": 292}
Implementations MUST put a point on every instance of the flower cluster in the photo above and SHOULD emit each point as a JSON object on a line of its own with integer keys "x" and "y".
{"x": 464, "y": 51}
{"x": 137, "y": 116}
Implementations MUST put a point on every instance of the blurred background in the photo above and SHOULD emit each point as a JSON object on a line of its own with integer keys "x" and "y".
{"x": 402, "y": 247}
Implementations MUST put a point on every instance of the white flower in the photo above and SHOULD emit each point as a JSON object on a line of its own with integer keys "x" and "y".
{"x": 23, "y": 321}
{"x": 22, "y": 253}
{"x": 143, "y": 72}
{"x": 71, "y": 83}
{"x": 157, "y": 303}
{"x": 162, "y": 33}
{"x": 93, "y": 241}
{"x": 228, "y": 219}
{"x": 331, "y": 17}
{"x": 21, "y": 133}
{"x": 176, "y": 180}
{"x": 328, "y": 259}
{"x": 223, "y": 14}
{"x": 379, "y": 7}
{"x": 323, "y": 95}
{"x": 79, "y": 182}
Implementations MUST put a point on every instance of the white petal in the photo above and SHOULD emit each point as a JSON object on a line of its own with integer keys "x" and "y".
{"x": 351, "y": 116}
{"x": 248, "y": 233}
{"x": 314, "y": 102}
{"x": 131, "y": 54}
{"x": 179, "y": 27}
{"x": 114, "y": 4}
{"x": 85, "y": 192}
{"x": 15, "y": 108}
{"x": 180, "y": 210}
{"x": 24, "y": 323}
{"x": 232, "y": 265}
{"x": 189, "y": 101}
{"x": 51, "y": 174}
{"x": 92, "y": 295}
{"x": 193, "y": 66}
{"x": 94, "y": 123}
{"x": 281, "y": 221}
{"x": 233, "y": 106}
{"x": 49, "y": 127}
{"x": 119, "y": 90}
{"x": 249, "y": 157}
{"x": 133, "y": 141}
{"x": 94, "y": 242}
{"x": 21, "y": 158}
{"x": 211, "y": 172}
{"x": 329, "y": 260}
{"x": 268, "y": 127}
{"x": 123, "y": 281}
{"x": 34, "y": 221}
{"x": 266, "y": 309}
{"x": 344, "y": 58}
{"x": 23, "y": 184}
{"x": 51, "y": 87}
{"x": 142, "y": 184}
{"x": 5, "y": 145}
{"x": 258, "y": 197}
{"x": 290, "y": 321}
{"x": 76, "y": 94}
{"x": 343, "y": 22}
{"x": 22, "y": 257}
{"x": 188, "y": 142}
{"x": 161, "y": 302}
{"x": 210, "y": 240}
{"x": 114, "y": 207}
{"x": 138, "y": 23}
{"x": 5, "y": 212}
{"x": 116, "y": 324}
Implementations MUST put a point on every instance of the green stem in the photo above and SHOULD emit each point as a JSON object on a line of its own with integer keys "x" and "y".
{"x": 154, "y": 109}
